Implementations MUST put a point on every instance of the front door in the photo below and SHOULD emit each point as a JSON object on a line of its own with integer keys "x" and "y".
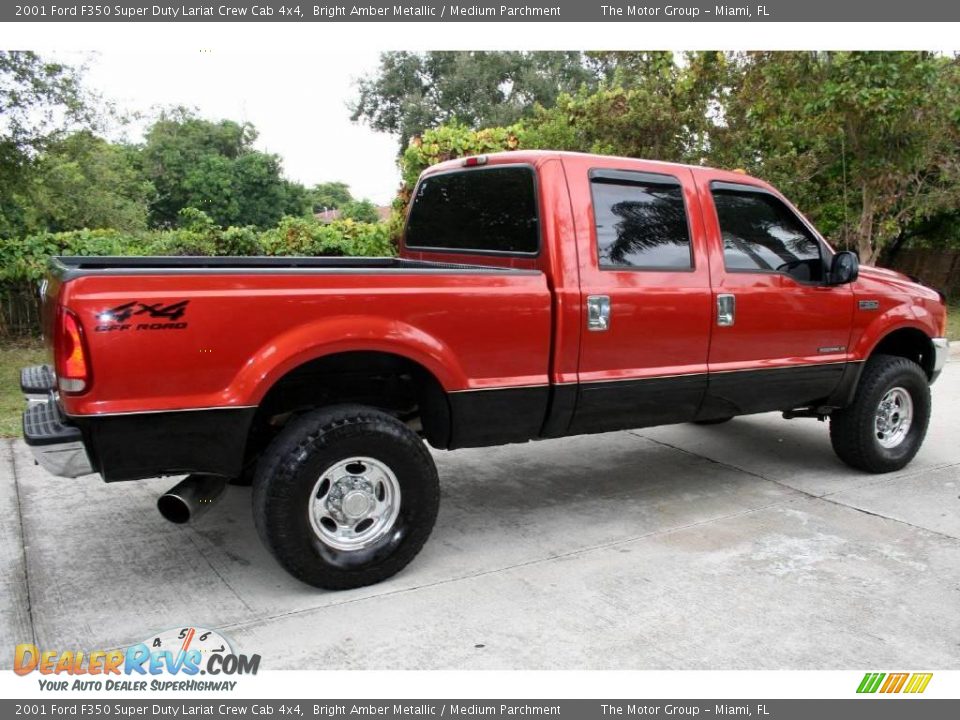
{"x": 780, "y": 334}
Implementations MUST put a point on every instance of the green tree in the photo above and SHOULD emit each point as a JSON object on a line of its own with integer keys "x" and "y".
{"x": 213, "y": 166}
{"x": 360, "y": 210}
{"x": 646, "y": 107}
{"x": 864, "y": 142}
{"x": 867, "y": 141}
{"x": 329, "y": 196}
{"x": 83, "y": 181}
{"x": 38, "y": 100}
{"x": 411, "y": 92}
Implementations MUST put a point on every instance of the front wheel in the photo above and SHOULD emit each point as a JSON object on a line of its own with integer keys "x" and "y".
{"x": 884, "y": 427}
{"x": 345, "y": 496}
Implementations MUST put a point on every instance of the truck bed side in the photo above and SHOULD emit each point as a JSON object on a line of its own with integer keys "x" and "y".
{"x": 193, "y": 350}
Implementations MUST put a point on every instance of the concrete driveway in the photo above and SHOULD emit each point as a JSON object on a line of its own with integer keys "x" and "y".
{"x": 741, "y": 546}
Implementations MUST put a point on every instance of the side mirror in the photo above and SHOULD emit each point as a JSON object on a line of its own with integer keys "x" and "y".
{"x": 844, "y": 269}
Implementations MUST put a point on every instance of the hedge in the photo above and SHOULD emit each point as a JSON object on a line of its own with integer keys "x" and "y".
{"x": 23, "y": 261}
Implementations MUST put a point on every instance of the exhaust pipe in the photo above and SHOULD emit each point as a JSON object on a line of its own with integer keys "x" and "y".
{"x": 191, "y": 497}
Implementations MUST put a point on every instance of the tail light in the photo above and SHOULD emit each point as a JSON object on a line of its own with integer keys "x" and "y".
{"x": 73, "y": 363}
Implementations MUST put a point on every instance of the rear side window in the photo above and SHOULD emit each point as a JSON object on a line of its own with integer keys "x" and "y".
{"x": 641, "y": 221}
{"x": 760, "y": 233}
{"x": 484, "y": 210}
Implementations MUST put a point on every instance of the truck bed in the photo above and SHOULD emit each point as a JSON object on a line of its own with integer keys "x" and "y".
{"x": 189, "y": 333}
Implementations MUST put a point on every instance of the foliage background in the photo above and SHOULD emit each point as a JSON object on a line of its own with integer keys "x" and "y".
{"x": 867, "y": 144}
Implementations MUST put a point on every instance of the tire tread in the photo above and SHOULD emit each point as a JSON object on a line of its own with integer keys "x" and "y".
{"x": 274, "y": 489}
{"x": 849, "y": 435}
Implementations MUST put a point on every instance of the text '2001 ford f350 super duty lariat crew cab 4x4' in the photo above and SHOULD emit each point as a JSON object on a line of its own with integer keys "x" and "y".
{"x": 536, "y": 295}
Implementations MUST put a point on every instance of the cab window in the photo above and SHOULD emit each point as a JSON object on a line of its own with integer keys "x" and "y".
{"x": 482, "y": 210}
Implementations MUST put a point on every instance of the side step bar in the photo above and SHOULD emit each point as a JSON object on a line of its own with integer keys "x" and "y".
{"x": 56, "y": 444}
{"x": 36, "y": 382}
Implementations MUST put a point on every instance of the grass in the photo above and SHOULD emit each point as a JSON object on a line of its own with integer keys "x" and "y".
{"x": 13, "y": 356}
{"x": 953, "y": 322}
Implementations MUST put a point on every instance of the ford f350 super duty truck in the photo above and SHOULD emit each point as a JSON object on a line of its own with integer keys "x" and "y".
{"x": 536, "y": 295}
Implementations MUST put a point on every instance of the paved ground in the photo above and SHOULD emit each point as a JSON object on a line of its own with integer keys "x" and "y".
{"x": 746, "y": 545}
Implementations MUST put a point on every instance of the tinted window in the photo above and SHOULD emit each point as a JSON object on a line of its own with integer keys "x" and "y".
{"x": 761, "y": 233}
{"x": 490, "y": 209}
{"x": 641, "y": 224}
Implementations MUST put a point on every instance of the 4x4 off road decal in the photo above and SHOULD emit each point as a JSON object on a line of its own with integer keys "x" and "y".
{"x": 136, "y": 315}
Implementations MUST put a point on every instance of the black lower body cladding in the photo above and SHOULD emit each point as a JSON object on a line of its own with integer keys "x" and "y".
{"x": 143, "y": 445}
{"x": 133, "y": 446}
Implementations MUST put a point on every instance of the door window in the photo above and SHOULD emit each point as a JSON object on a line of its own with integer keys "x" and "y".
{"x": 761, "y": 234}
{"x": 641, "y": 221}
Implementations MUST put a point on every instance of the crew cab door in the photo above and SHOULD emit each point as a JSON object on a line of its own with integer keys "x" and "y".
{"x": 780, "y": 333}
{"x": 645, "y": 289}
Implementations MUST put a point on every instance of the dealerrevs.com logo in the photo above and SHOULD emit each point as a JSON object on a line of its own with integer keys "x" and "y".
{"x": 890, "y": 683}
{"x": 170, "y": 660}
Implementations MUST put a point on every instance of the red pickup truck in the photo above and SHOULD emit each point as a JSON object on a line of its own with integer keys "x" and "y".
{"x": 536, "y": 295}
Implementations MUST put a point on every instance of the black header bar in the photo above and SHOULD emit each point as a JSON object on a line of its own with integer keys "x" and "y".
{"x": 510, "y": 11}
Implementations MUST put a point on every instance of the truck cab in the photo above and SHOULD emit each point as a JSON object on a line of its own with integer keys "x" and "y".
{"x": 681, "y": 293}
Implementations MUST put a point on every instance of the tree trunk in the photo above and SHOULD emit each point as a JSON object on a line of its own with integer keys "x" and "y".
{"x": 892, "y": 251}
{"x": 865, "y": 247}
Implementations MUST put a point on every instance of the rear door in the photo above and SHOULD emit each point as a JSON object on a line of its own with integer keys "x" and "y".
{"x": 780, "y": 334}
{"x": 645, "y": 287}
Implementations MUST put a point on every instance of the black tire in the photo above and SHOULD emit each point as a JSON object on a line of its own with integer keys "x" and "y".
{"x": 714, "y": 421}
{"x": 853, "y": 431}
{"x": 285, "y": 482}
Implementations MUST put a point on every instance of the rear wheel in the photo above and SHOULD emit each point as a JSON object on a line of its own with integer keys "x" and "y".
{"x": 345, "y": 496}
{"x": 884, "y": 428}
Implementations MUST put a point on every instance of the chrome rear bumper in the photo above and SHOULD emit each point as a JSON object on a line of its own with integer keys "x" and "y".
{"x": 66, "y": 460}
{"x": 941, "y": 351}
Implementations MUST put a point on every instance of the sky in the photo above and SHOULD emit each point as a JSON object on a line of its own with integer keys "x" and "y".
{"x": 297, "y": 102}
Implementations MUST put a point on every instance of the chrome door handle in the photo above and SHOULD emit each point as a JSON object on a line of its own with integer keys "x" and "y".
{"x": 726, "y": 310}
{"x": 598, "y": 312}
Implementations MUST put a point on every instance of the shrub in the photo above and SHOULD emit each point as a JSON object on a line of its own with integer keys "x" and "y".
{"x": 447, "y": 142}
{"x": 181, "y": 242}
{"x": 23, "y": 261}
{"x": 239, "y": 241}
{"x": 300, "y": 236}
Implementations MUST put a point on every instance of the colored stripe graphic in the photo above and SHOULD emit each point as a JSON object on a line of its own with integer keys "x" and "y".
{"x": 894, "y": 682}
{"x": 870, "y": 682}
{"x": 918, "y": 683}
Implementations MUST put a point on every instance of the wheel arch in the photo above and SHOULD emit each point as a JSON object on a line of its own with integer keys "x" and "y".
{"x": 337, "y": 335}
{"x": 379, "y": 362}
{"x": 389, "y": 381}
{"x": 907, "y": 341}
{"x": 910, "y": 342}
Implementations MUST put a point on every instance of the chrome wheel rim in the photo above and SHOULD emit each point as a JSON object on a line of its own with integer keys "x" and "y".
{"x": 894, "y": 417}
{"x": 354, "y": 503}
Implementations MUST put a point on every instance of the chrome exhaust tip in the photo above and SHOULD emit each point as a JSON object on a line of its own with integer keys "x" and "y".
{"x": 191, "y": 497}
